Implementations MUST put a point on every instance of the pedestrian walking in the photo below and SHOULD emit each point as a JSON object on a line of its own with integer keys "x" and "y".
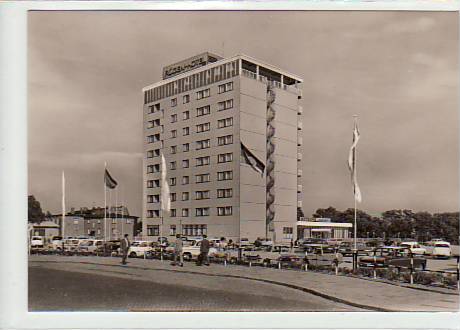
{"x": 204, "y": 250}
{"x": 178, "y": 257}
{"x": 124, "y": 247}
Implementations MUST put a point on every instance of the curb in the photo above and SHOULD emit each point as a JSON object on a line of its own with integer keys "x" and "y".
{"x": 291, "y": 286}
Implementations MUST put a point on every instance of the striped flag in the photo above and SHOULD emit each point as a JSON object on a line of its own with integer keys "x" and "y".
{"x": 247, "y": 157}
{"x": 109, "y": 181}
{"x": 352, "y": 163}
{"x": 165, "y": 196}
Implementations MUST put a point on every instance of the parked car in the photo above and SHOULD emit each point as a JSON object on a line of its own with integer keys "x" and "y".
{"x": 324, "y": 256}
{"x": 89, "y": 246}
{"x": 346, "y": 249}
{"x": 244, "y": 241}
{"x": 191, "y": 252}
{"x": 441, "y": 250}
{"x": 139, "y": 248}
{"x": 37, "y": 242}
{"x": 414, "y": 247}
{"x": 289, "y": 261}
{"x": 56, "y": 243}
{"x": 395, "y": 256}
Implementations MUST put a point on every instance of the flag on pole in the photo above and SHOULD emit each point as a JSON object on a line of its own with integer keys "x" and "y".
{"x": 247, "y": 157}
{"x": 352, "y": 163}
{"x": 109, "y": 180}
{"x": 165, "y": 196}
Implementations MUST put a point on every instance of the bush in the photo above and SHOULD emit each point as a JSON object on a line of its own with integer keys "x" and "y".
{"x": 450, "y": 280}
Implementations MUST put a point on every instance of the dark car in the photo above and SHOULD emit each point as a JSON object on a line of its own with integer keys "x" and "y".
{"x": 392, "y": 256}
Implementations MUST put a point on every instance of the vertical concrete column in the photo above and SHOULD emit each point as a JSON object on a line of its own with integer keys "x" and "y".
{"x": 240, "y": 66}
{"x": 282, "y": 81}
{"x": 257, "y": 72}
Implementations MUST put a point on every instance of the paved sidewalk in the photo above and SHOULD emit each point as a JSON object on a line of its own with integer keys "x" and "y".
{"x": 359, "y": 293}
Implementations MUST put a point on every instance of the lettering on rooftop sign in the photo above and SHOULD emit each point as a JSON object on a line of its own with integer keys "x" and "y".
{"x": 188, "y": 64}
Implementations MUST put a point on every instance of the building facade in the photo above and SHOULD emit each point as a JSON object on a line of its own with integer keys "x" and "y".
{"x": 323, "y": 228}
{"x": 216, "y": 120}
{"x": 92, "y": 223}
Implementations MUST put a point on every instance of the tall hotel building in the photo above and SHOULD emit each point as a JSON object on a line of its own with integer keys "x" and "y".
{"x": 230, "y": 130}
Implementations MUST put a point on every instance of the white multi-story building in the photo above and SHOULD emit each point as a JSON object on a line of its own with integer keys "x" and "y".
{"x": 230, "y": 131}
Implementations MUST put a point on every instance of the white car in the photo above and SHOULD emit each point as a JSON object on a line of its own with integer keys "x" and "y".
{"x": 192, "y": 251}
{"x": 139, "y": 248}
{"x": 90, "y": 246}
{"x": 441, "y": 250}
{"x": 37, "y": 242}
{"x": 414, "y": 247}
{"x": 56, "y": 243}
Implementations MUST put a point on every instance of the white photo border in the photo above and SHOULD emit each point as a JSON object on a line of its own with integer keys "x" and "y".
{"x": 13, "y": 188}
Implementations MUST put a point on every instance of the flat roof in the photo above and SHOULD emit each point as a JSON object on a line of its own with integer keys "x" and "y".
{"x": 222, "y": 61}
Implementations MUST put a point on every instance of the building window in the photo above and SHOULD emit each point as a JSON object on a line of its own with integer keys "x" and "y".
{"x": 174, "y": 118}
{"x": 287, "y": 233}
{"x": 201, "y": 161}
{"x": 172, "y": 181}
{"x": 203, "y": 94}
{"x": 153, "y": 138}
{"x": 225, "y": 158}
{"x": 154, "y": 108}
{"x": 153, "y": 123}
{"x": 186, "y": 98}
{"x": 224, "y": 193}
{"x": 153, "y": 230}
{"x": 153, "y": 183}
{"x": 98, "y": 231}
{"x": 185, "y": 213}
{"x": 185, "y": 163}
{"x": 185, "y": 196}
{"x": 153, "y": 168}
{"x": 225, "y": 175}
{"x": 173, "y": 149}
{"x": 153, "y": 198}
{"x": 202, "y": 211}
{"x": 224, "y": 210}
{"x": 226, "y": 87}
{"x": 186, "y": 131}
{"x": 194, "y": 230}
{"x": 201, "y": 111}
{"x": 185, "y": 180}
{"x": 186, "y": 115}
{"x": 153, "y": 213}
{"x": 204, "y": 194}
{"x": 172, "y": 230}
{"x": 226, "y": 122}
{"x": 224, "y": 140}
{"x": 173, "y": 213}
{"x": 224, "y": 105}
{"x": 203, "y": 127}
{"x": 153, "y": 153}
{"x": 172, "y": 165}
{"x": 203, "y": 144}
{"x": 174, "y": 102}
{"x": 185, "y": 147}
{"x": 201, "y": 178}
{"x": 173, "y": 133}
{"x": 173, "y": 197}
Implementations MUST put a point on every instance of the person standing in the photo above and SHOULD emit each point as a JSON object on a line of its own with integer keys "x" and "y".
{"x": 124, "y": 246}
{"x": 204, "y": 250}
{"x": 178, "y": 257}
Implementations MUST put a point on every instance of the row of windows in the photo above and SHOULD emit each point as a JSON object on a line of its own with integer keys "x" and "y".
{"x": 199, "y": 178}
{"x": 199, "y": 195}
{"x": 187, "y": 230}
{"x": 199, "y": 212}
{"x": 193, "y": 81}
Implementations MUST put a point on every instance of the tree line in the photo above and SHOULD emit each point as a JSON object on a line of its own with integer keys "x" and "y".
{"x": 422, "y": 226}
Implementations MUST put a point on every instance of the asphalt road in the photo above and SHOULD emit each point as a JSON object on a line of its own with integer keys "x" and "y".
{"x": 64, "y": 290}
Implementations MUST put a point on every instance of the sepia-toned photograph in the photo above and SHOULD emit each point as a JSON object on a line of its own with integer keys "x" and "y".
{"x": 243, "y": 161}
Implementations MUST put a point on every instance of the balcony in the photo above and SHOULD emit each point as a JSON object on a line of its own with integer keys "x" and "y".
{"x": 299, "y": 141}
{"x": 299, "y": 203}
{"x": 265, "y": 80}
{"x": 299, "y": 125}
{"x": 299, "y": 188}
{"x": 300, "y": 110}
{"x": 299, "y": 156}
{"x": 299, "y": 173}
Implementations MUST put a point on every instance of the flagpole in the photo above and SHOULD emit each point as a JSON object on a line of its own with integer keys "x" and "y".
{"x": 63, "y": 205}
{"x": 105, "y": 203}
{"x": 354, "y": 190}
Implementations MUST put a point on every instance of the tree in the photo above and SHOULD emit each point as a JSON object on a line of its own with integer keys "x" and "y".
{"x": 35, "y": 213}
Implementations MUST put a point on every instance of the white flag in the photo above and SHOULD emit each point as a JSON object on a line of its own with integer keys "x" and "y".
{"x": 352, "y": 164}
{"x": 165, "y": 196}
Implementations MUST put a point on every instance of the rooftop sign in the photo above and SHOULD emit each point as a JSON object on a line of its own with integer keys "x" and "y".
{"x": 189, "y": 64}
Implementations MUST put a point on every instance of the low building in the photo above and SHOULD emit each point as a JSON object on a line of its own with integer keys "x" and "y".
{"x": 323, "y": 228}
{"x": 46, "y": 229}
{"x": 96, "y": 223}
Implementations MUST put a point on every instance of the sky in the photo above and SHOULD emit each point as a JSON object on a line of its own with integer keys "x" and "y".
{"x": 398, "y": 71}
